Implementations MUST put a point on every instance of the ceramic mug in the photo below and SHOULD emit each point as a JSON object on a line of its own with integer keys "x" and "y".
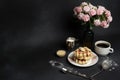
{"x": 103, "y": 48}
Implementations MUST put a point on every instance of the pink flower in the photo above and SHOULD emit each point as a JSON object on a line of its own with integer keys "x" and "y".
{"x": 92, "y": 12}
{"x": 86, "y": 8}
{"x": 91, "y": 6}
{"x": 84, "y": 3}
{"x": 106, "y": 26}
{"x": 103, "y": 24}
{"x": 97, "y": 22}
{"x": 100, "y": 10}
{"x": 109, "y": 19}
{"x": 80, "y": 15}
{"x": 107, "y": 13}
{"x": 77, "y": 10}
{"x": 86, "y": 18}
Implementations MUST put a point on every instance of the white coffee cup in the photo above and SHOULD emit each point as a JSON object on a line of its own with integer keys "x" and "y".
{"x": 103, "y": 48}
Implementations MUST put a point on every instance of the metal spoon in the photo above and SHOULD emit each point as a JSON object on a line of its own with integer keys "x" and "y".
{"x": 66, "y": 69}
{"x": 107, "y": 64}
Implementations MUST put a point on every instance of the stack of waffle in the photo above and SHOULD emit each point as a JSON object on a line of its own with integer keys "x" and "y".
{"x": 82, "y": 55}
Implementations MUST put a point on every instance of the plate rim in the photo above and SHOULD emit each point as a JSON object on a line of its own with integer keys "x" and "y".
{"x": 85, "y": 65}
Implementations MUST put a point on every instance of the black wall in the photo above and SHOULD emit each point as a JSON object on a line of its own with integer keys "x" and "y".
{"x": 25, "y": 22}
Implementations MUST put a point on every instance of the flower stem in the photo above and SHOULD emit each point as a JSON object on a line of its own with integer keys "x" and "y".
{"x": 90, "y": 24}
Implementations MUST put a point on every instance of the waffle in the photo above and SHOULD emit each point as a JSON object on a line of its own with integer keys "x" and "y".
{"x": 82, "y": 55}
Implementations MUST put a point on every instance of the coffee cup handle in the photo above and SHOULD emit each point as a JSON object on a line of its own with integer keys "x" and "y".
{"x": 111, "y": 50}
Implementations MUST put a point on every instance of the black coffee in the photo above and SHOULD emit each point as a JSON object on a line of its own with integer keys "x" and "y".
{"x": 102, "y": 45}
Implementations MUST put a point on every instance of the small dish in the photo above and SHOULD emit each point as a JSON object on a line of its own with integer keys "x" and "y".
{"x": 91, "y": 62}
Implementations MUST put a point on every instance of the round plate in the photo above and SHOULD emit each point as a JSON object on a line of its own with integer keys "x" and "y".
{"x": 91, "y": 62}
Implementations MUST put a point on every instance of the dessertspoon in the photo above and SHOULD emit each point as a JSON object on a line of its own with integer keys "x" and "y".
{"x": 106, "y": 65}
{"x": 66, "y": 69}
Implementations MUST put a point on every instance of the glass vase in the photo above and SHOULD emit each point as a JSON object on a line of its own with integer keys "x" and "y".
{"x": 88, "y": 37}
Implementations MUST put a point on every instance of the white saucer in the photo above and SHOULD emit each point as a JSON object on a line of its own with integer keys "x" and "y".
{"x": 91, "y": 62}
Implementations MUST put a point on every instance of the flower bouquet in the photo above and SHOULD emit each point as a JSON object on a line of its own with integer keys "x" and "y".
{"x": 93, "y": 15}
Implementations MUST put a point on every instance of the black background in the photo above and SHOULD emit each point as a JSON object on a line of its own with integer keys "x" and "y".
{"x": 31, "y": 31}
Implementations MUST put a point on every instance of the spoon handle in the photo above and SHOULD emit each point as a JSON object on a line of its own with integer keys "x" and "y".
{"x": 74, "y": 72}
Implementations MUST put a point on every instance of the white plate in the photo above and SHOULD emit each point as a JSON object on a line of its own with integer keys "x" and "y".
{"x": 91, "y": 62}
